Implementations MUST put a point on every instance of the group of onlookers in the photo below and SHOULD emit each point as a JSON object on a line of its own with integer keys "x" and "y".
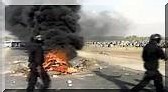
{"x": 122, "y": 43}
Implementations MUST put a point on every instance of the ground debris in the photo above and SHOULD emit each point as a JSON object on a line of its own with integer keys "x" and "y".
{"x": 19, "y": 68}
{"x": 69, "y": 83}
{"x": 127, "y": 74}
{"x": 78, "y": 65}
{"x": 104, "y": 53}
{"x": 84, "y": 63}
{"x": 55, "y": 76}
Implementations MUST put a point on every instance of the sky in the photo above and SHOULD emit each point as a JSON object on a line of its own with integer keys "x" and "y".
{"x": 146, "y": 16}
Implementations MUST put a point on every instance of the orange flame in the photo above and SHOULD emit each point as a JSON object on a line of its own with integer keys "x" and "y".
{"x": 57, "y": 60}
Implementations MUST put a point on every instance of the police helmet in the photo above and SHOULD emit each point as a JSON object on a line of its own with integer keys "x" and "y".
{"x": 155, "y": 37}
{"x": 38, "y": 37}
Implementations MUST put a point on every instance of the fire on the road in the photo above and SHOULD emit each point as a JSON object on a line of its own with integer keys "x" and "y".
{"x": 57, "y": 60}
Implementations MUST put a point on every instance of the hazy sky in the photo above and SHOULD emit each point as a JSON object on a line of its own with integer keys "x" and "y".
{"x": 146, "y": 16}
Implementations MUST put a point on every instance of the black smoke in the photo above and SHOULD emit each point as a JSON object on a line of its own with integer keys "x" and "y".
{"x": 103, "y": 24}
{"x": 58, "y": 24}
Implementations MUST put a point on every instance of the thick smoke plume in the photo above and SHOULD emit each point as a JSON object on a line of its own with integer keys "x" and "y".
{"x": 102, "y": 24}
{"x": 58, "y": 24}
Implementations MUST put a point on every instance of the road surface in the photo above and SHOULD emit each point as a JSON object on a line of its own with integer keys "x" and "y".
{"x": 109, "y": 76}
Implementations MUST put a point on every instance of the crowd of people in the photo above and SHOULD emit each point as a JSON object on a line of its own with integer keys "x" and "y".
{"x": 123, "y": 43}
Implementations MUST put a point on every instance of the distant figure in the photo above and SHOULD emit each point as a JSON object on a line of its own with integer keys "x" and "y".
{"x": 152, "y": 52}
{"x": 36, "y": 59}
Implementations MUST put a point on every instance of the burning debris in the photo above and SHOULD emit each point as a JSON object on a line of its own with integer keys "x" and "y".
{"x": 58, "y": 24}
{"x": 58, "y": 60}
{"x": 57, "y": 65}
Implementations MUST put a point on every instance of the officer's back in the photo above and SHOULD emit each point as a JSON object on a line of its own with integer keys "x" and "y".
{"x": 152, "y": 52}
{"x": 36, "y": 59}
{"x": 35, "y": 51}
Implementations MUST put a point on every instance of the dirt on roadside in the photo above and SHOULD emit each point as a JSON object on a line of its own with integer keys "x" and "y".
{"x": 121, "y": 52}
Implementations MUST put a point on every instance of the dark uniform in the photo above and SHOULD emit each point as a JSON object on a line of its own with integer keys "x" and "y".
{"x": 36, "y": 59}
{"x": 151, "y": 55}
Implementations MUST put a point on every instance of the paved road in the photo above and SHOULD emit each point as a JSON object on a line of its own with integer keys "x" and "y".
{"x": 108, "y": 77}
{"x": 123, "y": 62}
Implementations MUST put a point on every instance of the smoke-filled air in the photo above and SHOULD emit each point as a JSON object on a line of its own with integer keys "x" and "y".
{"x": 58, "y": 24}
{"x": 63, "y": 25}
{"x": 102, "y": 24}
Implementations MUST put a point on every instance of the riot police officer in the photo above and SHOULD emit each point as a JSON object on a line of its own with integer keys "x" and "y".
{"x": 36, "y": 59}
{"x": 152, "y": 52}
